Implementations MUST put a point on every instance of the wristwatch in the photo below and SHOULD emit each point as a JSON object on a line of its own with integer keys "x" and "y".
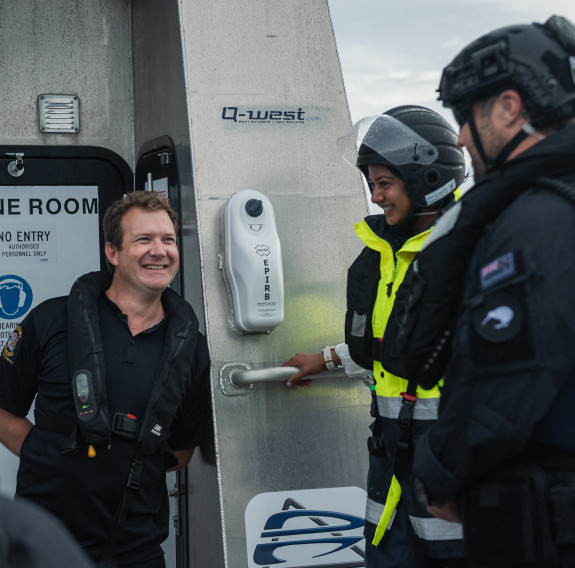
{"x": 329, "y": 364}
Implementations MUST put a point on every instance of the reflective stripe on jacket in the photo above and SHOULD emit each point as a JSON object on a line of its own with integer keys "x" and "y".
{"x": 425, "y": 528}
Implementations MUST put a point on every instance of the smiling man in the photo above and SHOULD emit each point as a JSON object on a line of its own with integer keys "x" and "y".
{"x": 119, "y": 372}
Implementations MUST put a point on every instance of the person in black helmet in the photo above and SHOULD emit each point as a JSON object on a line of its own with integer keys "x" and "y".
{"x": 413, "y": 166}
{"x": 495, "y": 289}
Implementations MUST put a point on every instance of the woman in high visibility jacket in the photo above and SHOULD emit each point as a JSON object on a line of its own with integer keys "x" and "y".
{"x": 413, "y": 166}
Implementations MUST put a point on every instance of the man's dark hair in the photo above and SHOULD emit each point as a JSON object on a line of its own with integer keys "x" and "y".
{"x": 145, "y": 200}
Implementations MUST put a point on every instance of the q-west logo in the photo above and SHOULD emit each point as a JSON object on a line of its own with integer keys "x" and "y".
{"x": 297, "y": 529}
{"x": 15, "y": 296}
{"x": 266, "y": 116}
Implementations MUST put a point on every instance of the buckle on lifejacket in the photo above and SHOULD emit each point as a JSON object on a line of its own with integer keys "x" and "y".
{"x": 376, "y": 446}
{"x": 135, "y": 474}
{"x": 125, "y": 425}
{"x": 406, "y": 410}
{"x": 373, "y": 409}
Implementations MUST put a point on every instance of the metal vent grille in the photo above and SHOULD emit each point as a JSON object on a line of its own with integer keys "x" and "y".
{"x": 59, "y": 113}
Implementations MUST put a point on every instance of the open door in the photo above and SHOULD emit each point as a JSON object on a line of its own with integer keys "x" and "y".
{"x": 52, "y": 200}
{"x": 157, "y": 170}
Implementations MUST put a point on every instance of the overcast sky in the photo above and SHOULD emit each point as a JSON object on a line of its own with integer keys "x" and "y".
{"x": 392, "y": 51}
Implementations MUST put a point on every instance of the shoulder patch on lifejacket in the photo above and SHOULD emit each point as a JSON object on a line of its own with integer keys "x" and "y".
{"x": 499, "y": 319}
{"x": 12, "y": 345}
{"x": 497, "y": 270}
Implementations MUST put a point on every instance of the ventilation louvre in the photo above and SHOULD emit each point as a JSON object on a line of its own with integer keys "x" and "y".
{"x": 59, "y": 113}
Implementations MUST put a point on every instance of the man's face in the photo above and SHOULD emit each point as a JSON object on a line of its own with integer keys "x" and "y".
{"x": 493, "y": 137}
{"x": 148, "y": 260}
{"x": 465, "y": 140}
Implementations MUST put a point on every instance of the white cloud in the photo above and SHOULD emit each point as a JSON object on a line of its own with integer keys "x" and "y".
{"x": 392, "y": 53}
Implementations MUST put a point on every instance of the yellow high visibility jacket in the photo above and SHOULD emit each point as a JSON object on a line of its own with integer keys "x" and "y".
{"x": 388, "y": 387}
{"x": 393, "y": 268}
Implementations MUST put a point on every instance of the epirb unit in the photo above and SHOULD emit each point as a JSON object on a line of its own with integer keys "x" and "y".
{"x": 252, "y": 263}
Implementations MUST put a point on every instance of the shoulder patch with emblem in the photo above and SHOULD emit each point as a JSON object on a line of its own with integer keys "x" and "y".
{"x": 12, "y": 345}
{"x": 497, "y": 270}
{"x": 499, "y": 319}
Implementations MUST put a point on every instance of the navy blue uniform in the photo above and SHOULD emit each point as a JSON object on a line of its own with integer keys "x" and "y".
{"x": 510, "y": 384}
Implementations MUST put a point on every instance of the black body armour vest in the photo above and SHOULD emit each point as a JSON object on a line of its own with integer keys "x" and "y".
{"x": 425, "y": 303}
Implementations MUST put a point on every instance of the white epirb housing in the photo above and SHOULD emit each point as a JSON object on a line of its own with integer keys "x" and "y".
{"x": 252, "y": 263}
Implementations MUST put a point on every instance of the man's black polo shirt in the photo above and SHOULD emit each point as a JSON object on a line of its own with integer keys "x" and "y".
{"x": 84, "y": 492}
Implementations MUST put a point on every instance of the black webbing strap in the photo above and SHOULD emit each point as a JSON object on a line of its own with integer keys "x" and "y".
{"x": 404, "y": 420}
{"x": 375, "y": 443}
{"x": 132, "y": 486}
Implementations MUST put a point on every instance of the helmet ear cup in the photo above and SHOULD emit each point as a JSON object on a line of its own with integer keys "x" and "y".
{"x": 431, "y": 177}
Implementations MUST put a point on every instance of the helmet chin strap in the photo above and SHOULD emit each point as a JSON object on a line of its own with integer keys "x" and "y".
{"x": 492, "y": 164}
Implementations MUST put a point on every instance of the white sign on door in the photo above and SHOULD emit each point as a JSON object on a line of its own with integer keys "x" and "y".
{"x": 48, "y": 237}
{"x": 304, "y": 528}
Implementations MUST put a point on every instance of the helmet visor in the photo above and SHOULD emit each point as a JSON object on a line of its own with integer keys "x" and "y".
{"x": 391, "y": 139}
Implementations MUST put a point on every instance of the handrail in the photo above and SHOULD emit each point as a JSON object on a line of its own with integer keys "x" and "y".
{"x": 237, "y": 378}
{"x": 246, "y": 377}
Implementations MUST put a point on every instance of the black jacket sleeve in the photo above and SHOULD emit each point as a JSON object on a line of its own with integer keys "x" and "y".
{"x": 19, "y": 367}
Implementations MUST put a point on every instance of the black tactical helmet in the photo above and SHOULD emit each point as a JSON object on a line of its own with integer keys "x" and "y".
{"x": 537, "y": 60}
{"x": 422, "y": 146}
